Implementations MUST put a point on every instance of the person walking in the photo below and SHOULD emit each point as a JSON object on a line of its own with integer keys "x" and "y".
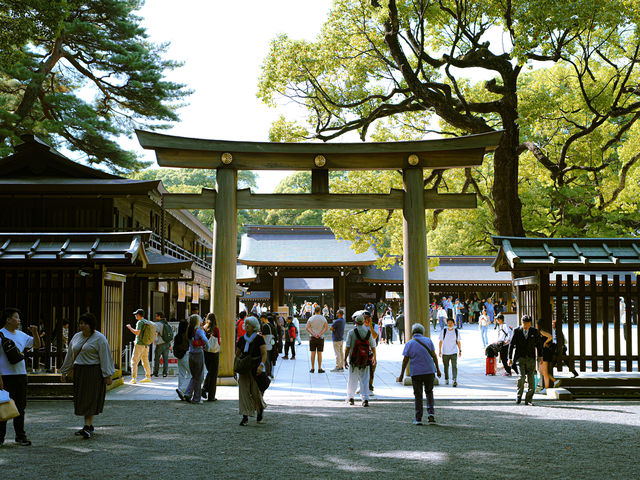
{"x": 268, "y": 333}
{"x": 388, "y": 322}
{"x": 140, "y": 349}
{"x": 433, "y": 315}
{"x": 198, "y": 340}
{"x": 360, "y": 356}
{"x": 337, "y": 336}
{"x": 316, "y": 327}
{"x": 13, "y": 369}
{"x": 504, "y": 338}
{"x": 164, "y": 335}
{"x": 483, "y": 321}
{"x": 250, "y": 398}
{"x": 368, "y": 323}
{"x": 400, "y": 327}
{"x": 523, "y": 351}
{"x": 457, "y": 308}
{"x": 450, "y": 350}
{"x": 181, "y": 352}
{"x": 92, "y": 364}
{"x": 211, "y": 359}
{"x": 420, "y": 354}
{"x": 290, "y": 334}
{"x": 296, "y": 323}
{"x": 442, "y": 317}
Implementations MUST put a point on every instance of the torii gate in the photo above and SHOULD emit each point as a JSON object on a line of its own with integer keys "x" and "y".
{"x": 227, "y": 157}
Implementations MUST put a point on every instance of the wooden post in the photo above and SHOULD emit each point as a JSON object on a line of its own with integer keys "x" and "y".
{"x": 223, "y": 297}
{"x": 416, "y": 285}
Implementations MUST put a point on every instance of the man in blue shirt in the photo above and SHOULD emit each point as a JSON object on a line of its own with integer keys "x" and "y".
{"x": 337, "y": 336}
{"x": 419, "y": 353}
{"x": 458, "y": 311}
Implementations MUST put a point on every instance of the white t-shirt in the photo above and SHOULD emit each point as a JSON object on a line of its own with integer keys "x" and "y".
{"x": 22, "y": 341}
{"x": 316, "y": 323}
{"x": 449, "y": 341}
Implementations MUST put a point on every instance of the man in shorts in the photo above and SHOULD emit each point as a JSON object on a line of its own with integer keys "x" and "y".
{"x": 316, "y": 326}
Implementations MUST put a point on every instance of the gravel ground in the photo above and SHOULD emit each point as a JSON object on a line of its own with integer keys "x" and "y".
{"x": 330, "y": 440}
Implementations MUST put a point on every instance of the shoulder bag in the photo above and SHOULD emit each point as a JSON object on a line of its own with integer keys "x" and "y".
{"x": 70, "y": 374}
{"x": 213, "y": 346}
{"x": 11, "y": 350}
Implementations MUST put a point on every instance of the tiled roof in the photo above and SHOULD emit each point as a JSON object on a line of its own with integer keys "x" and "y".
{"x": 580, "y": 254}
{"x": 451, "y": 270}
{"x": 110, "y": 248}
{"x": 296, "y": 246}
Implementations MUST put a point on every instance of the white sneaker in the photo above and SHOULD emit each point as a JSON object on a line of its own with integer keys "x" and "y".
{"x": 133, "y": 381}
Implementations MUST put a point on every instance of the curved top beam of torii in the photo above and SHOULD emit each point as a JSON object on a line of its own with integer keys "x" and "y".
{"x": 458, "y": 152}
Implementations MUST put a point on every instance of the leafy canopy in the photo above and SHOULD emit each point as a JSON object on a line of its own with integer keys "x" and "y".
{"x": 80, "y": 74}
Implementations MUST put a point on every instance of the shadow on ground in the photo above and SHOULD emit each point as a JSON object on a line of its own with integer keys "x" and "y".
{"x": 325, "y": 439}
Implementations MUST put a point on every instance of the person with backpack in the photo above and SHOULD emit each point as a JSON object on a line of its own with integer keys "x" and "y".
{"x": 145, "y": 333}
{"x": 290, "y": 335}
{"x": 450, "y": 350}
{"x": 181, "y": 352}
{"x": 197, "y": 342}
{"x": 211, "y": 357}
{"x": 359, "y": 356}
{"x": 268, "y": 333}
{"x": 164, "y": 335}
{"x": 240, "y": 324}
{"x": 420, "y": 354}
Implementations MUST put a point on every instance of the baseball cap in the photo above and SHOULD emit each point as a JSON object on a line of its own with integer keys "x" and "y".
{"x": 139, "y": 312}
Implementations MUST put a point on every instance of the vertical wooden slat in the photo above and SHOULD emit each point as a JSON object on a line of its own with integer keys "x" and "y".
{"x": 558, "y": 309}
{"x": 570, "y": 313}
{"x": 628, "y": 301}
{"x": 616, "y": 322}
{"x": 637, "y": 311}
{"x": 594, "y": 323}
{"x": 583, "y": 315}
{"x": 605, "y": 322}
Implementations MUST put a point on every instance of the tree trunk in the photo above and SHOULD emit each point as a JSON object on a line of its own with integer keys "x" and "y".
{"x": 508, "y": 208}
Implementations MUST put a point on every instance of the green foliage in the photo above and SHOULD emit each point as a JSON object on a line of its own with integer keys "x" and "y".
{"x": 80, "y": 74}
{"x": 561, "y": 81}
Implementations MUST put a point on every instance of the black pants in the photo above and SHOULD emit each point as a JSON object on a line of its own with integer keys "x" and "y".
{"x": 401, "y": 336}
{"x": 504, "y": 356}
{"x": 389, "y": 331}
{"x": 16, "y": 385}
{"x": 290, "y": 344}
{"x": 423, "y": 383}
{"x": 212, "y": 362}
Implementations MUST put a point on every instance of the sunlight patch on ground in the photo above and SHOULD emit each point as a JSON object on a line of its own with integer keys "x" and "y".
{"x": 416, "y": 456}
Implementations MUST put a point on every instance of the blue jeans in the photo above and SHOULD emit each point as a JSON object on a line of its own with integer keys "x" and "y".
{"x": 196, "y": 365}
{"x": 459, "y": 320}
{"x": 483, "y": 333}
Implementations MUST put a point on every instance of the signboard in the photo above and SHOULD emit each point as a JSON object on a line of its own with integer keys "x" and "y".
{"x": 182, "y": 291}
{"x": 163, "y": 287}
{"x": 189, "y": 290}
{"x": 195, "y": 294}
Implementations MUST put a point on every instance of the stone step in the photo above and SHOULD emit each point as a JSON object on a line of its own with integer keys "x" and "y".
{"x": 599, "y": 382}
{"x": 50, "y": 391}
{"x": 604, "y": 392}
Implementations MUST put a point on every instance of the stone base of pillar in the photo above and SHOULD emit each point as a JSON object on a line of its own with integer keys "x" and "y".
{"x": 227, "y": 381}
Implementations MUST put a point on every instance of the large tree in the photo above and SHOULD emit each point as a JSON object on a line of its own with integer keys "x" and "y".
{"x": 406, "y": 69}
{"x": 81, "y": 74}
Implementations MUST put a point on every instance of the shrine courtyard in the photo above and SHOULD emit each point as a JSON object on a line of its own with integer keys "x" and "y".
{"x": 310, "y": 432}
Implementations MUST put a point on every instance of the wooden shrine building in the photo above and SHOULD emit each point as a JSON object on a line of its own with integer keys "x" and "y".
{"x": 285, "y": 265}
{"x": 412, "y": 158}
{"x": 76, "y": 239}
{"x": 590, "y": 286}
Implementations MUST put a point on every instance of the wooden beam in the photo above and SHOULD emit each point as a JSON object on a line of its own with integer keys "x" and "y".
{"x": 191, "y": 201}
{"x": 319, "y": 181}
{"x": 318, "y": 201}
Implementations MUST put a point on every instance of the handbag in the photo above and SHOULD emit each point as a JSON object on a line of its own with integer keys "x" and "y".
{"x": 243, "y": 364}
{"x": 11, "y": 350}
{"x": 263, "y": 382}
{"x": 8, "y": 410}
{"x": 213, "y": 344}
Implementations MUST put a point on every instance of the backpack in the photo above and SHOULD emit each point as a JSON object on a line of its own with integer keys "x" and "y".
{"x": 11, "y": 350}
{"x": 167, "y": 332}
{"x": 361, "y": 355}
{"x": 444, "y": 335}
{"x": 148, "y": 333}
{"x": 268, "y": 338}
{"x": 292, "y": 332}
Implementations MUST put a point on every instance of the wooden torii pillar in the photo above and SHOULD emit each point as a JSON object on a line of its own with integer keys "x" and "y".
{"x": 228, "y": 157}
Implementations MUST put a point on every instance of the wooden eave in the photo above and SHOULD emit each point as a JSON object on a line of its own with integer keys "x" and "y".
{"x": 458, "y": 152}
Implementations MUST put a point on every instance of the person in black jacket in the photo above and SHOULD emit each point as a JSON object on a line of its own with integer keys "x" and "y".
{"x": 522, "y": 351}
